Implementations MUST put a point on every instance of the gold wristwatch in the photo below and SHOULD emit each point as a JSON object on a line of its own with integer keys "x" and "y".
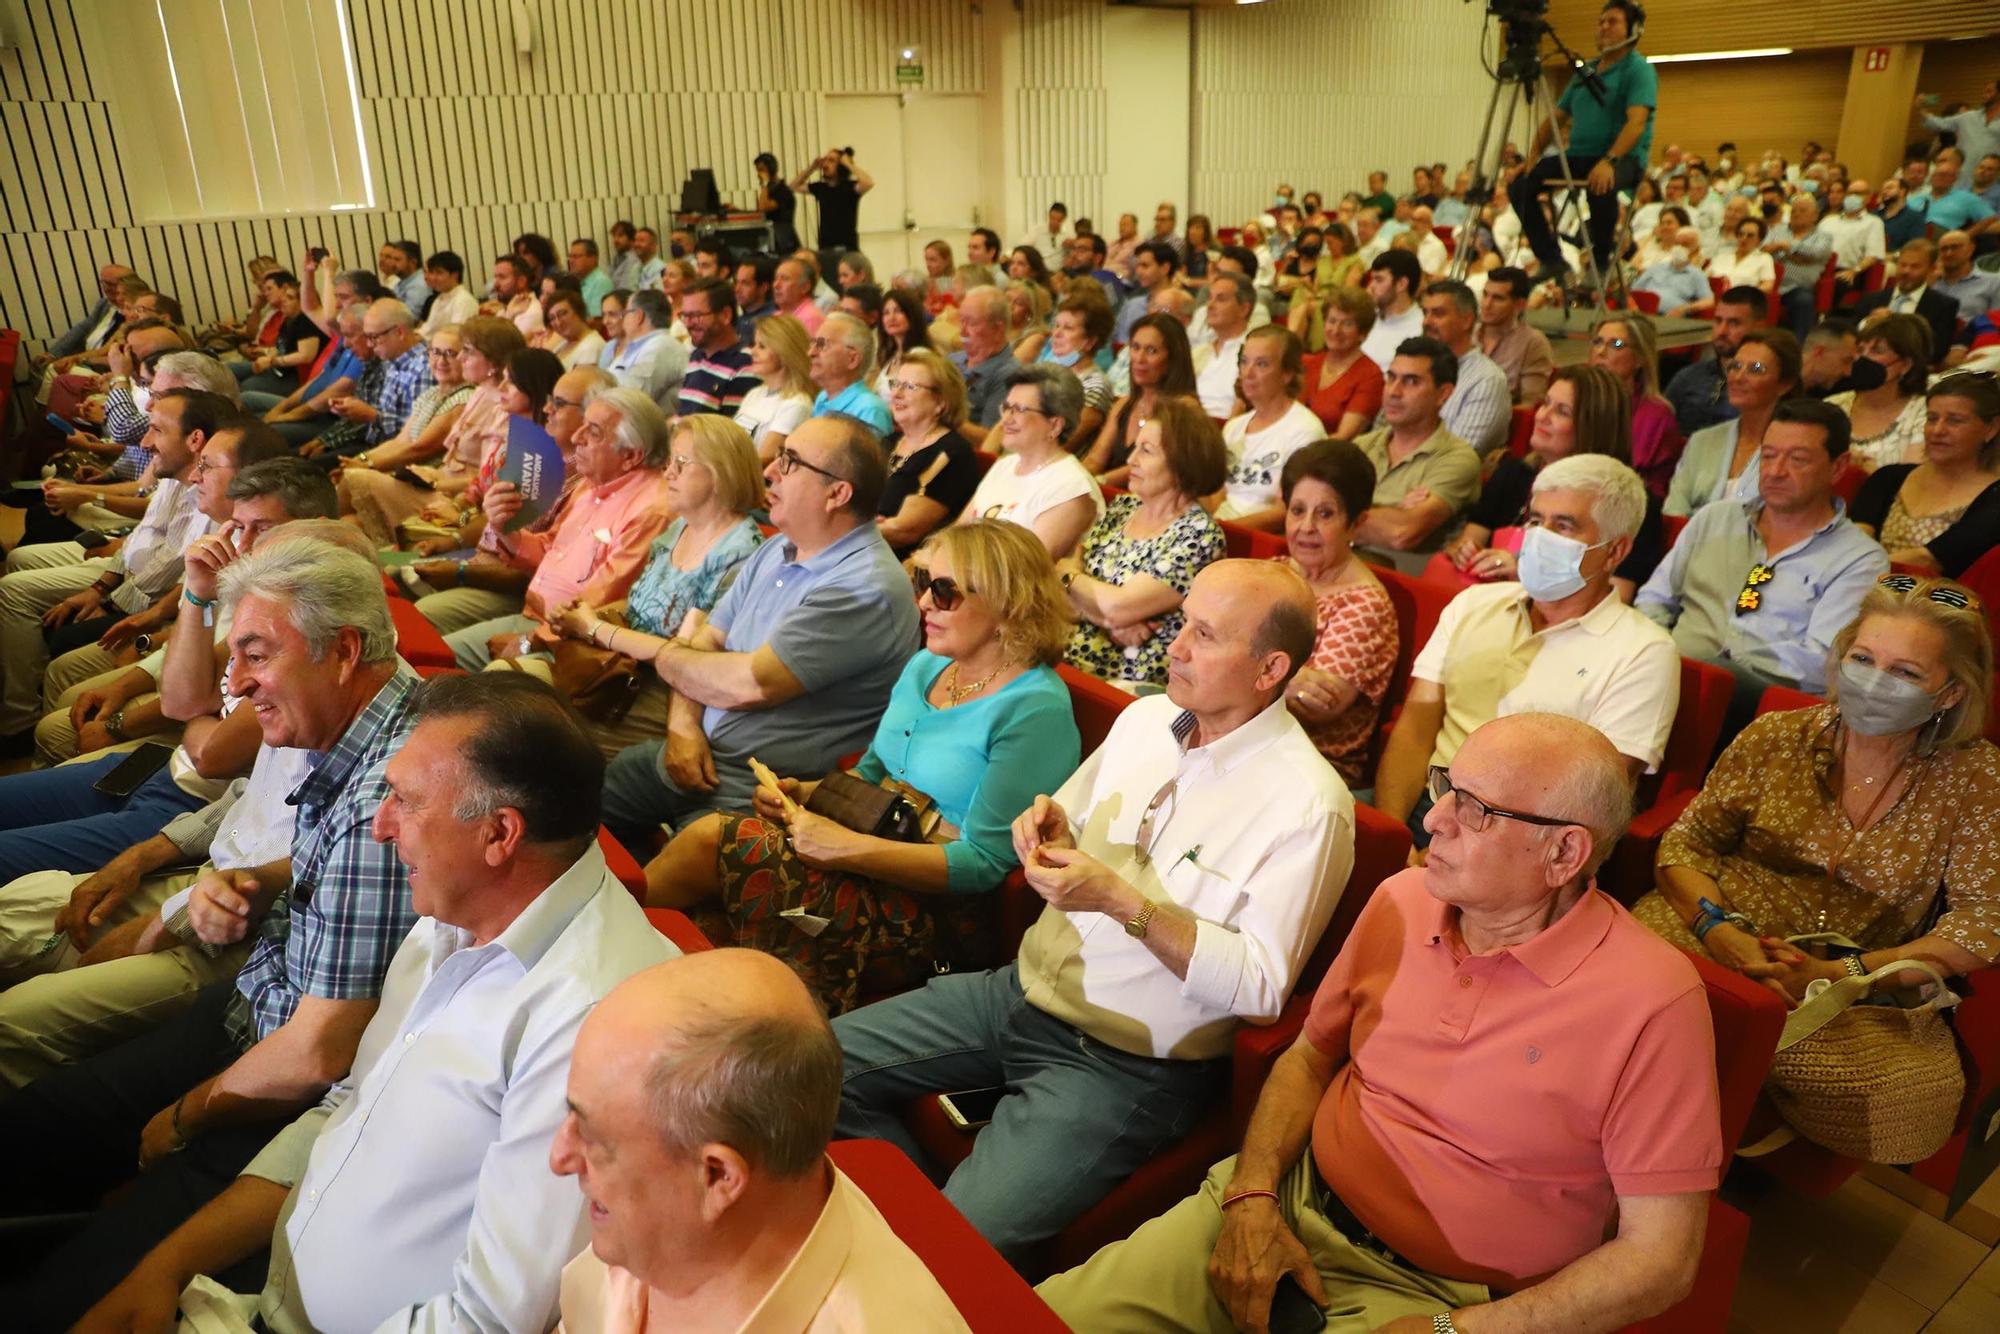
{"x": 1136, "y": 928}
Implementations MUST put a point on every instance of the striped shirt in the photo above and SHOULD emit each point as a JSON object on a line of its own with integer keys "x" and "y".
{"x": 349, "y": 907}
{"x": 717, "y": 381}
{"x": 151, "y": 556}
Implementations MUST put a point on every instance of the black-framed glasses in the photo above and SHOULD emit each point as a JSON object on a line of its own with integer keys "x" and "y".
{"x": 1752, "y": 596}
{"x": 1022, "y": 410}
{"x": 1475, "y": 814}
{"x": 944, "y": 590}
{"x": 789, "y": 458}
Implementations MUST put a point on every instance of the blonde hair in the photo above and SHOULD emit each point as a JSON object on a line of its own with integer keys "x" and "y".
{"x": 726, "y": 450}
{"x": 1006, "y": 565}
{"x": 1968, "y": 648}
{"x": 1038, "y": 299}
{"x": 950, "y": 383}
{"x": 788, "y": 341}
{"x": 1645, "y": 336}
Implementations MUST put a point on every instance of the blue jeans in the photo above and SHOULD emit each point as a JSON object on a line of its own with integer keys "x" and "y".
{"x": 1078, "y": 1118}
{"x": 54, "y": 820}
{"x": 639, "y": 797}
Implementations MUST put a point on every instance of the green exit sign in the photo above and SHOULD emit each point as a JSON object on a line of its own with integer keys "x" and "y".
{"x": 910, "y": 74}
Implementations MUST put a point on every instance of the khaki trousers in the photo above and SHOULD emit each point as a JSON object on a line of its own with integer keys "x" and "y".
{"x": 38, "y": 577}
{"x": 55, "y": 739}
{"x": 1157, "y": 1279}
{"x": 456, "y": 608}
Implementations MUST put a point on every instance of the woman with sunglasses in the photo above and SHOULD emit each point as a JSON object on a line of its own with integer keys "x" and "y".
{"x": 932, "y": 468}
{"x": 1128, "y": 578}
{"x": 714, "y": 480}
{"x": 1627, "y": 344}
{"x": 1721, "y": 460}
{"x": 1865, "y": 816}
{"x": 425, "y": 431}
{"x": 979, "y": 722}
{"x": 1943, "y": 514}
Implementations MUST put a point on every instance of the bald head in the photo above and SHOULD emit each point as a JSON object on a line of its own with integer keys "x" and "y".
{"x": 1250, "y": 627}
{"x": 1554, "y": 766}
{"x": 1175, "y": 301}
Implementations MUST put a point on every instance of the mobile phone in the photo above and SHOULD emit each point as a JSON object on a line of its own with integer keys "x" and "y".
{"x": 1292, "y": 1312}
{"x": 63, "y": 424}
{"x": 317, "y": 252}
{"x": 137, "y": 767}
{"x": 971, "y": 1108}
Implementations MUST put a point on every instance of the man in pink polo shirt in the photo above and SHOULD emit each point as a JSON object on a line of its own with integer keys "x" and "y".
{"x": 1507, "y": 1086}
{"x": 597, "y": 550}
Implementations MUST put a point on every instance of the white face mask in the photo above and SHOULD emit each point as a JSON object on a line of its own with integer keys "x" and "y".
{"x": 1551, "y": 565}
{"x": 1678, "y": 256}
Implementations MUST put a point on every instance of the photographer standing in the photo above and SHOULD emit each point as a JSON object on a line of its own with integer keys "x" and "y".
{"x": 838, "y": 192}
{"x": 1610, "y": 130}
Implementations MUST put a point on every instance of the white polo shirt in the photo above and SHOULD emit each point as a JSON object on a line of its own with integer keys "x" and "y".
{"x": 1610, "y": 667}
{"x": 1262, "y": 890}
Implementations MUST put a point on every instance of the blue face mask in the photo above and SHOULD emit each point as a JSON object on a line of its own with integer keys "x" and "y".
{"x": 1551, "y": 565}
{"x": 1853, "y": 204}
{"x": 1279, "y": 201}
{"x": 1061, "y": 358}
{"x": 1810, "y": 185}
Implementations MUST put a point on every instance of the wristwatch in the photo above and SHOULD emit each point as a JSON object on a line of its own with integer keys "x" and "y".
{"x": 1136, "y": 928}
{"x": 114, "y": 725}
{"x": 1441, "y": 1324}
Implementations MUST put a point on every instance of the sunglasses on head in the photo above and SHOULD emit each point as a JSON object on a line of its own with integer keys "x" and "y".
{"x": 944, "y": 590}
{"x": 1945, "y": 595}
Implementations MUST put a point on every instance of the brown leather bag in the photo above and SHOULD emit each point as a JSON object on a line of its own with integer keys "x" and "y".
{"x": 601, "y": 684}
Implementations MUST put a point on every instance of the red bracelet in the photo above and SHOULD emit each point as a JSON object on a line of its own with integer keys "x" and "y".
{"x": 1241, "y": 1195}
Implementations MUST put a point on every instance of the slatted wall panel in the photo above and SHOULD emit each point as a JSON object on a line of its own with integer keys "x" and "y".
{"x": 471, "y": 143}
{"x": 1317, "y": 94}
{"x": 1731, "y": 25}
{"x": 1775, "y": 103}
{"x": 1064, "y": 117}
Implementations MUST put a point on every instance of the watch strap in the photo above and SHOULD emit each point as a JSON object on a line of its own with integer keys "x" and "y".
{"x": 1136, "y": 928}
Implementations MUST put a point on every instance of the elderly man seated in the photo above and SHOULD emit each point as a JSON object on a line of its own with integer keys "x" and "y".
{"x": 796, "y": 662}
{"x": 189, "y": 1104}
{"x": 397, "y": 370}
{"x": 986, "y": 359}
{"x": 648, "y": 358}
{"x": 1679, "y": 280}
{"x": 843, "y": 363}
{"x": 1425, "y": 476}
{"x": 1762, "y": 586}
{"x": 1170, "y": 920}
{"x": 1560, "y": 638}
{"x": 718, "y": 1070}
{"x": 417, "y": 1194}
{"x": 605, "y": 535}
{"x": 1451, "y": 1178}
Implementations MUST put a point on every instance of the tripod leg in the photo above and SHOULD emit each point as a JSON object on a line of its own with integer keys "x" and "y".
{"x": 1461, "y": 259}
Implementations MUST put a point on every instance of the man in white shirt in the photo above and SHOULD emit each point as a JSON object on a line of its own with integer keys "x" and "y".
{"x": 1051, "y": 239}
{"x": 1705, "y": 210}
{"x": 1170, "y": 920}
{"x": 1481, "y": 409}
{"x": 1548, "y": 634}
{"x": 451, "y": 302}
{"x": 651, "y": 359}
{"x": 417, "y": 1194}
{"x": 1393, "y": 280}
{"x": 1230, "y": 300}
{"x": 1858, "y": 238}
{"x": 1431, "y": 253}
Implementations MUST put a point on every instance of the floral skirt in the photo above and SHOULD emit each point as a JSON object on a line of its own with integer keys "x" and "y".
{"x": 878, "y": 940}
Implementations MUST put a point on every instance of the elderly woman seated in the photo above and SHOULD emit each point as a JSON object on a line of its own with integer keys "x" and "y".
{"x": 977, "y": 725}
{"x": 1135, "y": 564}
{"x": 1870, "y": 816}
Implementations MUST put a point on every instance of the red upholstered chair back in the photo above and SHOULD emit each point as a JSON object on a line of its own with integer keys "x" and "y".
{"x": 417, "y": 639}
{"x": 1267, "y": 546}
{"x": 1095, "y": 703}
{"x": 1983, "y": 578}
{"x": 1520, "y": 431}
{"x": 1748, "y": 1018}
{"x": 984, "y": 460}
{"x": 1647, "y": 302}
{"x": 1782, "y": 699}
{"x": 1419, "y": 603}
{"x": 1236, "y": 540}
{"x": 1381, "y": 848}
{"x": 1672, "y": 524}
{"x": 1705, "y": 692}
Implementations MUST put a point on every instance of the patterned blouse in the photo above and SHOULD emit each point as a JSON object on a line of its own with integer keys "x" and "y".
{"x": 1357, "y": 643}
{"x": 434, "y": 401}
{"x": 1902, "y": 441}
{"x": 664, "y": 593}
{"x": 1174, "y": 556}
{"x": 1764, "y": 828}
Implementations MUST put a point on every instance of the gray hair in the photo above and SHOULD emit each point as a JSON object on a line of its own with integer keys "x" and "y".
{"x": 316, "y": 529}
{"x": 1461, "y": 296}
{"x": 1243, "y": 289}
{"x": 354, "y": 310}
{"x": 985, "y": 303}
{"x": 1058, "y": 388}
{"x": 324, "y": 588}
{"x": 909, "y": 280}
{"x": 653, "y": 304}
{"x": 852, "y": 333}
{"x": 198, "y": 370}
{"x": 301, "y": 486}
{"x": 766, "y": 1086}
{"x": 392, "y": 309}
{"x": 642, "y": 427}
{"x": 361, "y": 280}
{"x": 1618, "y": 497}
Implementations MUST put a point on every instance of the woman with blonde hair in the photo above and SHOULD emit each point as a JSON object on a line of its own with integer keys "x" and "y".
{"x": 1027, "y": 319}
{"x": 781, "y": 358}
{"x": 938, "y": 266}
{"x": 714, "y": 481}
{"x": 978, "y": 724}
{"x": 1870, "y": 816}
{"x": 1627, "y": 343}
{"x": 932, "y": 470}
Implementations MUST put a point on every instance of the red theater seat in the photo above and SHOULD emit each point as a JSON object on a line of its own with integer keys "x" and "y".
{"x": 417, "y": 639}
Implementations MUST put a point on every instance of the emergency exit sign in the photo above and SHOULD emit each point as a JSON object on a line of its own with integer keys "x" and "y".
{"x": 1876, "y": 60}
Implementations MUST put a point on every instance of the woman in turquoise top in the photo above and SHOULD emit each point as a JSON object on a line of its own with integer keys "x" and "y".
{"x": 979, "y": 722}
{"x": 713, "y": 483}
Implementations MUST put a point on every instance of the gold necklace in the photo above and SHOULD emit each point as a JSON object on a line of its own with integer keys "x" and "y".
{"x": 958, "y": 696}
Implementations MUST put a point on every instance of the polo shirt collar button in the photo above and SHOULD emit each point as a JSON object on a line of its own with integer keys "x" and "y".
{"x": 1464, "y": 981}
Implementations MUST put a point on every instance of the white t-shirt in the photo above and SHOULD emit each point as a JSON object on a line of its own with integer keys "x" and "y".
{"x": 1389, "y": 332}
{"x": 764, "y": 411}
{"x": 1215, "y": 384}
{"x": 1004, "y": 493}
{"x": 450, "y": 308}
{"x": 1257, "y": 462}
{"x": 1747, "y": 271}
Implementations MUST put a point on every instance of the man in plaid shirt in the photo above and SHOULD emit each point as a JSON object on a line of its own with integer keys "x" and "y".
{"x": 314, "y": 653}
{"x": 398, "y": 370}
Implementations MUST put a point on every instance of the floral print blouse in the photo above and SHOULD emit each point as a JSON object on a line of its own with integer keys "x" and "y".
{"x": 664, "y": 594}
{"x": 1174, "y": 556}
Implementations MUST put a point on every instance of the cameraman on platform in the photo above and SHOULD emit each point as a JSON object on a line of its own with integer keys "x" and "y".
{"x": 1610, "y": 129}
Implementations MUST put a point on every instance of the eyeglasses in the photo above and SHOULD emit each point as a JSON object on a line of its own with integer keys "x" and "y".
{"x": 557, "y": 403}
{"x": 1746, "y": 368}
{"x": 912, "y": 386}
{"x": 1018, "y": 410}
{"x": 1752, "y": 596}
{"x": 1609, "y": 344}
{"x": 1945, "y": 595}
{"x": 1475, "y": 815}
{"x": 944, "y": 590}
{"x": 789, "y": 459}
{"x": 445, "y": 353}
{"x": 681, "y": 462}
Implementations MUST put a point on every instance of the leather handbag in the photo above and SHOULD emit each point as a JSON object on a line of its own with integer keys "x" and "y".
{"x": 888, "y": 810}
{"x": 602, "y": 684}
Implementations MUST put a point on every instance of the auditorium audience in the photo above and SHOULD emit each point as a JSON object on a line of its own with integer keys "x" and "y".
{"x": 649, "y": 358}
{"x": 796, "y": 661}
{"x": 1626, "y": 343}
{"x": 1162, "y": 368}
{"x": 1559, "y": 639}
{"x": 1275, "y": 425}
{"x": 1480, "y": 409}
{"x": 718, "y": 376}
{"x": 1219, "y": 354}
{"x": 1154, "y": 265}
{"x": 1341, "y": 385}
{"x": 1888, "y": 420}
{"x": 1337, "y": 696}
{"x": 423, "y": 436}
{"x": 1170, "y": 919}
{"x": 1747, "y": 264}
{"x": 569, "y": 334}
{"x": 1719, "y": 461}
{"x": 513, "y": 295}
{"x": 843, "y": 362}
{"x": 977, "y": 724}
{"x": 1699, "y": 390}
{"x": 1580, "y": 1187}
{"x": 903, "y": 326}
{"x": 1912, "y": 291}
{"x": 1894, "y": 763}
{"x": 781, "y": 359}
{"x": 1424, "y": 475}
{"x": 1037, "y": 482}
{"x": 1760, "y": 583}
{"x": 451, "y": 520}
{"x": 395, "y": 371}
{"x": 1129, "y": 576}
{"x": 932, "y": 468}
{"x": 1943, "y": 513}
{"x": 985, "y": 358}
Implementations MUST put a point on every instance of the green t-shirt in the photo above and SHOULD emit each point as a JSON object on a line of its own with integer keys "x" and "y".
{"x": 1594, "y": 125}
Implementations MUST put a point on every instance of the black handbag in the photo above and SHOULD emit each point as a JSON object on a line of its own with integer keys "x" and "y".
{"x": 897, "y": 812}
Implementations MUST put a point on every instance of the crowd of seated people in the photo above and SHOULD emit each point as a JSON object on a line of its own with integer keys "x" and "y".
{"x": 312, "y": 1020}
